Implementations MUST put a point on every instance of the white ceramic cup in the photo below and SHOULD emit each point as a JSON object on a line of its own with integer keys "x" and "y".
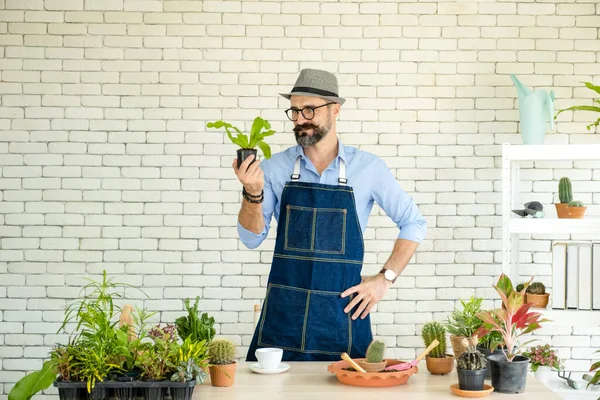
{"x": 269, "y": 358}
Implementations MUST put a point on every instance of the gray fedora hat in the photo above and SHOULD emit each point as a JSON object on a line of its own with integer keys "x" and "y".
{"x": 316, "y": 83}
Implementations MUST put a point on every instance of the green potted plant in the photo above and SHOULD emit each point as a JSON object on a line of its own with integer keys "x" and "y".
{"x": 374, "y": 360}
{"x": 491, "y": 340}
{"x": 247, "y": 143}
{"x": 471, "y": 367}
{"x": 543, "y": 359}
{"x": 593, "y": 380}
{"x": 197, "y": 327}
{"x": 513, "y": 320}
{"x": 462, "y": 325}
{"x": 438, "y": 361}
{"x": 576, "y": 209}
{"x": 593, "y": 107}
{"x": 568, "y": 208}
{"x": 191, "y": 358}
{"x": 536, "y": 295}
{"x": 222, "y": 362}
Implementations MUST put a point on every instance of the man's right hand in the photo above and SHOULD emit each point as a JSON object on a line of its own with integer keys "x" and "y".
{"x": 251, "y": 176}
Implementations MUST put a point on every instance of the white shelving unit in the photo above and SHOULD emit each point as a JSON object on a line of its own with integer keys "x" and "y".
{"x": 513, "y": 225}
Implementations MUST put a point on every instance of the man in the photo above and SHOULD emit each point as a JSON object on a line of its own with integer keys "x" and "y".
{"x": 321, "y": 193}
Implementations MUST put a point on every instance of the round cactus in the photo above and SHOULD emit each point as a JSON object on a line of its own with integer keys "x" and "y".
{"x": 576, "y": 203}
{"x": 565, "y": 192}
{"x": 221, "y": 351}
{"x": 536, "y": 288}
{"x": 375, "y": 351}
{"x": 434, "y": 330}
{"x": 472, "y": 359}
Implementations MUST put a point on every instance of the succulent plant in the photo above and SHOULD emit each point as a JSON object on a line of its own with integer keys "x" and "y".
{"x": 576, "y": 203}
{"x": 434, "y": 330}
{"x": 536, "y": 288}
{"x": 221, "y": 351}
{"x": 471, "y": 360}
{"x": 565, "y": 192}
{"x": 375, "y": 351}
{"x": 520, "y": 287}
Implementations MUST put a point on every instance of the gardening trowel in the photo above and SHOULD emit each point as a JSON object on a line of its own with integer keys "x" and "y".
{"x": 408, "y": 365}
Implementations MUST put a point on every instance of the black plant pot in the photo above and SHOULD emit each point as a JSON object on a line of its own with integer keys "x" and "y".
{"x": 98, "y": 393}
{"x": 71, "y": 393}
{"x": 181, "y": 393}
{"x": 486, "y": 352}
{"x": 508, "y": 377}
{"x": 242, "y": 154}
{"x": 125, "y": 392}
{"x": 470, "y": 379}
{"x": 154, "y": 393}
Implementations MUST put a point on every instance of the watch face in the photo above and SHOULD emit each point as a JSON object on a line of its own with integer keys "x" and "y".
{"x": 389, "y": 275}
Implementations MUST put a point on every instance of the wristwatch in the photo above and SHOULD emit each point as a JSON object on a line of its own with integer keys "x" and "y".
{"x": 388, "y": 274}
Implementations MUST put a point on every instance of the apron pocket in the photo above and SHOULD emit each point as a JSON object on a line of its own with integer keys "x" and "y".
{"x": 315, "y": 230}
{"x": 328, "y": 327}
{"x": 283, "y": 321}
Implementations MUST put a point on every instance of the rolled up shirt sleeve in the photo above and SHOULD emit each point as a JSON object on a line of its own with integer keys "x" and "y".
{"x": 398, "y": 205}
{"x": 250, "y": 239}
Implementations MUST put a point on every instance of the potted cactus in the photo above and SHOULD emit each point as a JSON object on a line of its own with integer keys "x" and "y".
{"x": 438, "y": 361}
{"x": 576, "y": 209}
{"x": 536, "y": 295}
{"x": 568, "y": 208}
{"x": 471, "y": 367}
{"x": 222, "y": 362}
{"x": 374, "y": 361}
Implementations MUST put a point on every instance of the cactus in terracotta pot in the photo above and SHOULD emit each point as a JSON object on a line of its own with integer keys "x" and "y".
{"x": 222, "y": 362}
{"x": 438, "y": 362}
{"x": 565, "y": 191}
{"x": 374, "y": 361}
{"x": 536, "y": 294}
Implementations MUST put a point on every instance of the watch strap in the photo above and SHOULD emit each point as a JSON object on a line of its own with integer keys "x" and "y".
{"x": 383, "y": 272}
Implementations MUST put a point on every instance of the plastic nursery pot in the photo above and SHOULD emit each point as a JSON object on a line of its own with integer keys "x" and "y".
{"x": 222, "y": 375}
{"x": 470, "y": 379}
{"x": 125, "y": 392}
{"x": 242, "y": 154}
{"x": 486, "y": 352}
{"x": 508, "y": 377}
{"x": 181, "y": 393}
{"x": 440, "y": 366}
{"x": 538, "y": 300}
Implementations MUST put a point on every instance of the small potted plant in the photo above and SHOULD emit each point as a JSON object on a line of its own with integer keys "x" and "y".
{"x": 565, "y": 196}
{"x": 536, "y": 295}
{"x": 543, "y": 360}
{"x": 462, "y": 325}
{"x": 248, "y": 144}
{"x": 374, "y": 361}
{"x": 491, "y": 340}
{"x": 471, "y": 367}
{"x": 222, "y": 365}
{"x": 513, "y": 320}
{"x": 438, "y": 361}
{"x": 576, "y": 209}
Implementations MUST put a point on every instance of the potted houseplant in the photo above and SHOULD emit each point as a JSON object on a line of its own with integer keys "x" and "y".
{"x": 197, "y": 327}
{"x": 221, "y": 353}
{"x": 158, "y": 361}
{"x": 568, "y": 208}
{"x": 471, "y": 367}
{"x": 543, "y": 360}
{"x": 438, "y": 361}
{"x": 462, "y": 325}
{"x": 192, "y": 357}
{"x": 513, "y": 320}
{"x": 576, "y": 209}
{"x": 247, "y": 144}
{"x": 491, "y": 340}
{"x": 374, "y": 361}
{"x": 536, "y": 295}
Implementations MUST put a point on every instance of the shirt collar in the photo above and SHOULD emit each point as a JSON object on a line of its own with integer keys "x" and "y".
{"x": 341, "y": 152}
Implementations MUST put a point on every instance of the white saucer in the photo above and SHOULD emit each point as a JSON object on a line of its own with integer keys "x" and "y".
{"x": 255, "y": 367}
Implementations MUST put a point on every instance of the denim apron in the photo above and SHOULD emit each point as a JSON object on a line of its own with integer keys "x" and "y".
{"x": 318, "y": 254}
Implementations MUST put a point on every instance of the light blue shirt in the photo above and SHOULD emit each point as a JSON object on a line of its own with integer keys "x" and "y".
{"x": 368, "y": 175}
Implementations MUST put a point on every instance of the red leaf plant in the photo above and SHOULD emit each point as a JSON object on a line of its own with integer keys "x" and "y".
{"x": 512, "y": 320}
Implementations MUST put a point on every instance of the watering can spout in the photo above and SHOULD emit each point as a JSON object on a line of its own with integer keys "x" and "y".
{"x": 521, "y": 89}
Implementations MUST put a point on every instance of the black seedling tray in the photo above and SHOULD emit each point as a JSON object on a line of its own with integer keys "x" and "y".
{"x": 148, "y": 390}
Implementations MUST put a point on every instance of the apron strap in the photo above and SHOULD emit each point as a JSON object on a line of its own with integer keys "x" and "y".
{"x": 341, "y": 180}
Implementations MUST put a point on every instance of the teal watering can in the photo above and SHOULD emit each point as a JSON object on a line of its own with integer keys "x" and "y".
{"x": 535, "y": 110}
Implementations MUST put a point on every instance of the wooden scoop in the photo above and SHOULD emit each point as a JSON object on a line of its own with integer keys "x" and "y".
{"x": 357, "y": 367}
{"x": 408, "y": 365}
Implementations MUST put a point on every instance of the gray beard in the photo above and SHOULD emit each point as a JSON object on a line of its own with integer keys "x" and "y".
{"x": 319, "y": 132}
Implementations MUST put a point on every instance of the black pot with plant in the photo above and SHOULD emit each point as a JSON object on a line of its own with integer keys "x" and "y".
{"x": 471, "y": 367}
{"x": 247, "y": 143}
{"x": 491, "y": 340}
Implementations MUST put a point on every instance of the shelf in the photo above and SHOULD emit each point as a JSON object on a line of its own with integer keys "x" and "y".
{"x": 570, "y": 317}
{"x": 589, "y": 225}
{"x": 569, "y": 152}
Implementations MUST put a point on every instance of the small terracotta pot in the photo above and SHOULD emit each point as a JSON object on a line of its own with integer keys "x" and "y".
{"x": 461, "y": 344}
{"x": 440, "y": 366}
{"x": 222, "y": 375}
{"x": 538, "y": 300}
{"x": 576, "y": 212}
{"x": 372, "y": 367}
{"x": 562, "y": 210}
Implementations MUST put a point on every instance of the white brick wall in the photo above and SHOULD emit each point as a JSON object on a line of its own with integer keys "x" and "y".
{"x": 105, "y": 162}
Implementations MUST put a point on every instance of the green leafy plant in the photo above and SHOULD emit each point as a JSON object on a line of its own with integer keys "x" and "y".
{"x": 434, "y": 330}
{"x": 34, "y": 382}
{"x": 187, "y": 371}
{"x": 491, "y": 340}
{"x": 160, "y": 359}
{"x": 375, "y": 351}
{"x": 198, "y": 327}
{"x": 465, "y": 322}
{"x": 256, "y": 137}
{"x": 592, "y": 107}
{"x": 513, "y": 320}
{"x": 595, "y": 379}
{"x": 471, "y": 360}
{"x": 543, "y": 355}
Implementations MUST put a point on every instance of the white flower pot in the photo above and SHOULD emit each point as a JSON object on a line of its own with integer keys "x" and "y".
{"x": 543, "y": 373}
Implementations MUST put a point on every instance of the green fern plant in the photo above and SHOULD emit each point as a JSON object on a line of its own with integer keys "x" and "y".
{"x": 593, "y": 108}
{"x": 256, "y": 137}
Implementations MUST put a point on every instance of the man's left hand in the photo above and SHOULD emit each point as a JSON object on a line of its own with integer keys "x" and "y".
{"x": 368, "y": 293}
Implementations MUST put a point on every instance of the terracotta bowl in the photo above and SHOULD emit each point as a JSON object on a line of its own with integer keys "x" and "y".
{"x": 371, "y": 379}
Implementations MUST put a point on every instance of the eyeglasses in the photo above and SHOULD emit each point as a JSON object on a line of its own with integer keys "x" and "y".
{"x": 308, "y": 112}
